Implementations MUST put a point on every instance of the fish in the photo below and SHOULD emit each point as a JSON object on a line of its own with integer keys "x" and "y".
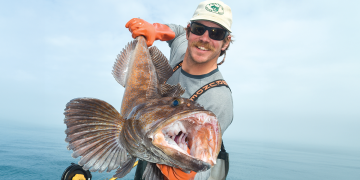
{"x": 154, "y": 124}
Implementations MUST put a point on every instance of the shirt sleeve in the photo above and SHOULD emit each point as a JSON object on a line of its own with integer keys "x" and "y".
{"x": 178, "y": 45}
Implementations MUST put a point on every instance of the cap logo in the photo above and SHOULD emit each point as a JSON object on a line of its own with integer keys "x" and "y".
{"x": 215, "y": 8}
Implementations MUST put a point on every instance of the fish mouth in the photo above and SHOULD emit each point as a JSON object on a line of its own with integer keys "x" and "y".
{"x": 191, "y": 137}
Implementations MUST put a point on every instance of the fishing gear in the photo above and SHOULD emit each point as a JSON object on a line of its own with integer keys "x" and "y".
{"x": 76, "y": 172}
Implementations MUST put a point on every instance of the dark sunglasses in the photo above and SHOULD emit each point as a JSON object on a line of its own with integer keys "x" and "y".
{"x": 214, "y": 33}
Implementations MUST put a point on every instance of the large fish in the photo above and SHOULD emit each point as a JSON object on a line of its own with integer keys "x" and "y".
{"x": 155, "y": 124}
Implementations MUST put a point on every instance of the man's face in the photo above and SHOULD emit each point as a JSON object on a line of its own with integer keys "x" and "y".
{"x": 202, "y": 48}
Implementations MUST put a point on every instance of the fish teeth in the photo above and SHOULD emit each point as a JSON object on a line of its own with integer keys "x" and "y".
{"x": 180, "y": 138}
{"x": 176, "y": 128}
{"x": 170, "y": 141}
{"x": 181, "y": 126}
{"x": 182, "y": 144}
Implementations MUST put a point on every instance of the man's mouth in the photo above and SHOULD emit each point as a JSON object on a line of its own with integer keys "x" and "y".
{"x": 202, "y": 48}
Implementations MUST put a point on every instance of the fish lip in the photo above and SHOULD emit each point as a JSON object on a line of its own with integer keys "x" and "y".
{"x": 199, "y": 164}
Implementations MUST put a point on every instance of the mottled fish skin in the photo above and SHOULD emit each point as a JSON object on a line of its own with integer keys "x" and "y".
{"x": 151, "y": 114}
{"x": 142, "y": 79}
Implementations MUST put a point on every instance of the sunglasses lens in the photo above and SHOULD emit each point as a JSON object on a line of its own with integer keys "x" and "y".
{"x": 197, "y": 29}
{"x": 217, "y": 34}
{"x": 214, "y": 33}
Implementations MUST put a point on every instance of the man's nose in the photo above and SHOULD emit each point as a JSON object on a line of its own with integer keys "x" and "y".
{"x": 205, "y": 37}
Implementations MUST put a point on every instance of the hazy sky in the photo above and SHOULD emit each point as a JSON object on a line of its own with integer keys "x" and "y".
{"x": 294, "y": 68}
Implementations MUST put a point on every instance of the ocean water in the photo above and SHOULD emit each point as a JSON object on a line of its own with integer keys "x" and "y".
{"x": 40, "y": 153}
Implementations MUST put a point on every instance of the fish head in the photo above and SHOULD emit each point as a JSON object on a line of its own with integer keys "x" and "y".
{"x": 182, "y": 131}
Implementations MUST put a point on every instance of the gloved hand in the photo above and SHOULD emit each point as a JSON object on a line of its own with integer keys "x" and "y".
{"x": 172, "y": 173}
{"x": 152, "y": 32}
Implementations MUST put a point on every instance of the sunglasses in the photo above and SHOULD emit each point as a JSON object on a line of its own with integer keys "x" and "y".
{"x": 214, "y": 33}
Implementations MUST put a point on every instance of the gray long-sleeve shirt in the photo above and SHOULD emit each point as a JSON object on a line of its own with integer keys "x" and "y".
{"x": 217, "y": 99}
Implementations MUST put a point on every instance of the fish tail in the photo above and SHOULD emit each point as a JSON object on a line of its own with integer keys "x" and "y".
{"x": 93, "y": 130}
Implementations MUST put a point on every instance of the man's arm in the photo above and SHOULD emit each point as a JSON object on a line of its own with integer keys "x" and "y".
{"x": 178, "y": 45}
{"x": 178, "y": 30}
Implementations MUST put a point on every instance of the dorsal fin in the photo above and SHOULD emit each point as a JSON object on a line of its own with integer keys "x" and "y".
{"x": 121, "y": 65}
{"x": 168, "y": 90}
{"x": 162, "y": 66}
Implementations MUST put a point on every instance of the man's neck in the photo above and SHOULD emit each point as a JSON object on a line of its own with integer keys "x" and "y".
{"x": 194, "y": 68}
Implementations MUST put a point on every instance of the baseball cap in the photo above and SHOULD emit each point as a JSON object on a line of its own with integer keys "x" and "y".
{"x": 215, "y": 11}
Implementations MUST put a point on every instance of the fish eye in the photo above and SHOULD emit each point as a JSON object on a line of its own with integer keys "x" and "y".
{"x": 175, "y": 102}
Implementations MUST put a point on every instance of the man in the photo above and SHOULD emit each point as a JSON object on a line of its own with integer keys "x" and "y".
{"x": 198, "y": 47}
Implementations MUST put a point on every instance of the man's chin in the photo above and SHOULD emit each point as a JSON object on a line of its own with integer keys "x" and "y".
{"x": 199, "y": 59}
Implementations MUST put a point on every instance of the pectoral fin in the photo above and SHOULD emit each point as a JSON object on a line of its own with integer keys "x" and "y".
{"x": 93, "y": 129}
{"x": 152, "y": 172}
{"x": 125, "y": 168}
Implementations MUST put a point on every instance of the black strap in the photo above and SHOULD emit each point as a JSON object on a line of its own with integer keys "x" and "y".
{"x": 198, "y": 93}
{"x": 222, "y": 146}
{"x": 223, "y": 154}
{"x": 177, "y": 66}
{"x": 206, "y": 87}
{"x": 140, "y": 169}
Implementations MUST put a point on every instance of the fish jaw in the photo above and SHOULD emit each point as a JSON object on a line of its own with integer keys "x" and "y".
{"x": 191, "y": 137}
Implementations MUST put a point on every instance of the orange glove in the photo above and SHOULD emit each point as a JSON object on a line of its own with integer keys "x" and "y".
{"x": 152, "y": 32}
{"x": 171, "y": 173}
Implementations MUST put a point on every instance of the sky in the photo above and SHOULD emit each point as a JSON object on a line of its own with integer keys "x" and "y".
{"x": 293, "y": 68}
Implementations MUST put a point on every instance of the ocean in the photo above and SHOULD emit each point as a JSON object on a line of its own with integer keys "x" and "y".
{"x": 40, "y": 153}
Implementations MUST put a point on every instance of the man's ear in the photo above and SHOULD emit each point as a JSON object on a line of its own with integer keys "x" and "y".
{"x": 226, "y": 44}
{"x": 187, "y": 32}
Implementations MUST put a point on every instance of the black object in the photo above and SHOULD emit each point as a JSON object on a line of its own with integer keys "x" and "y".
{"x": 202, "y": 90}
{"x": 74, "y": 169}
{"x": 214, "y": 33}
{"x": 224, "y": 156}
{"x": 140, "y": 169}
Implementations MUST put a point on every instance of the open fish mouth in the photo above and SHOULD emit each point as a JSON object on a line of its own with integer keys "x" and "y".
{"x": 195, "y": 135}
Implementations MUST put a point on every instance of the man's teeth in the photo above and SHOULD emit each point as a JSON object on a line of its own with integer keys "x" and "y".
{"x": 202, "y": 48}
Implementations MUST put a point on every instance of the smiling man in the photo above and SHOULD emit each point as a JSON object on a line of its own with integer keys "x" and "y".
{"x": 195, "y": 51}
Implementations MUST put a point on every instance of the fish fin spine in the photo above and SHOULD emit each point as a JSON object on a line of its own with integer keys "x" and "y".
{"x": 126, "y": 168}
{"x": 162, "y": 66}
{"x": 121, "y": 65}
{"x": 168, "y": 90}
{"x": 93, "y": 130}
{"x": 152, "y": 172}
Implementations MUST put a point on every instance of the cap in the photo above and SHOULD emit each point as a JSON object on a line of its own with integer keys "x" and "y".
{"x": 215, "y": 11}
